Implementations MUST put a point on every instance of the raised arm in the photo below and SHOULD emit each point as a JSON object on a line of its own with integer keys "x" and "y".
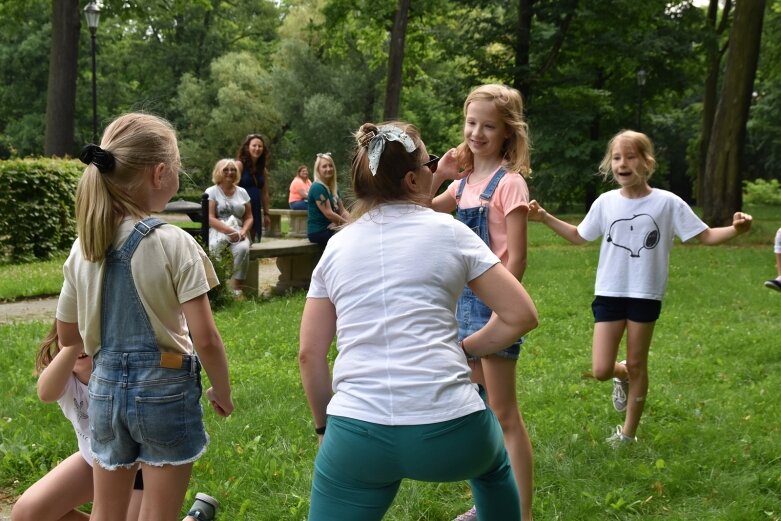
{"x": 741, "y": 223}
{"x": 318, "y": 327}
{"x": 53, "y": 379}
{"x": 514, "y": 313}
{"x": 447, "y": 168}
{"x": 564, "y": 229}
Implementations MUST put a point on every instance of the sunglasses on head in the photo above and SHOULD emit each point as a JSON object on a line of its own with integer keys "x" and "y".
{"x": 432, "y": 163}
{"x": 253, "y": 136}
{"x": 324, "y": 154}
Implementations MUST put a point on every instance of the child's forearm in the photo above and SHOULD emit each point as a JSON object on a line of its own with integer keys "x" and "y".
{"x": 564, "y": 229}
{"x": 53, "y": 379}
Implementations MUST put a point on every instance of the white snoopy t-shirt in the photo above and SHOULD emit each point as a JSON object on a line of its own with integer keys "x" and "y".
{"x": 637, "y": 235}
{"x": 74, "y": 402}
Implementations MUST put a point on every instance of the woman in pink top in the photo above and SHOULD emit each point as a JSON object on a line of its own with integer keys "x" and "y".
{"x": 299, "y": 189}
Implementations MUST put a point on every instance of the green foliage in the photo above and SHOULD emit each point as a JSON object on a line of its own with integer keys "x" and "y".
{"x": 36, "y": 206}
{"x": 762, "y": 192}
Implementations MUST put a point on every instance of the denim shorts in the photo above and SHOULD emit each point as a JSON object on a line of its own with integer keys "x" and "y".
{"x": 141, "y": 412}
{"x": 472, "y": 315}
{"x": 610, "y": 309}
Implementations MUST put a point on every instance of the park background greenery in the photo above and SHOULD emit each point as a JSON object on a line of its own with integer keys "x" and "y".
{"x": 306, "y": 73}
{"x": 709, "y": 442}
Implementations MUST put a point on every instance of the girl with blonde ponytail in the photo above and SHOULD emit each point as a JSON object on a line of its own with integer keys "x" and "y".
{"x": 134, "y": 298}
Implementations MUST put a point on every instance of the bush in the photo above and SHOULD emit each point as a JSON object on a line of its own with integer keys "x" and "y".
{"x": 37, "y": 206}
{"x": 762, "y": 192}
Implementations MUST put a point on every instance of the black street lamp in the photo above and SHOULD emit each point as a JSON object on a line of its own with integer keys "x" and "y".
{"x": 92, "y": 14}
{"x": 640, "y": 85}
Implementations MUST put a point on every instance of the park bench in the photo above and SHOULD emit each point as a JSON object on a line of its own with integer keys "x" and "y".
{"x": 296, "y": 220}
{"x": 296, "y": 257}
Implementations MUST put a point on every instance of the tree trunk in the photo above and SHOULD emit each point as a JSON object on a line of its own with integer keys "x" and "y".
{"x": 522, "y": 51}
{"x": 61, "y": 90}
{"x": 395, "y": 61}
{"x": 713, "y": 63}
{"x": 722, "y": 189}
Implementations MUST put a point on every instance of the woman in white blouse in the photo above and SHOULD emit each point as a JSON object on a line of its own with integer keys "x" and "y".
{"x": 230, "y": 219}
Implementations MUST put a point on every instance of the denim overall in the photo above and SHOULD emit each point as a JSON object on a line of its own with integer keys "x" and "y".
{"x": 471, "y": 313}
{"x": 144, "y": 404}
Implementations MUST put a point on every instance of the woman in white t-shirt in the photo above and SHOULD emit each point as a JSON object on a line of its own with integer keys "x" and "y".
{"x": 400, "y": 402}
{"x": 230, "y": 219}
{"x": 637, "y": 224}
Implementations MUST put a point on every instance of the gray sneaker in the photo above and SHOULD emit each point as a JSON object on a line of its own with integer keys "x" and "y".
{"x": 620, "y": 392}
{"x": 204, "y": 508}
{"x": 619, "y": 439}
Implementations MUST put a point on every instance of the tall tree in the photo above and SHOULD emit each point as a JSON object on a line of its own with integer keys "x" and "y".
{"x": 395, "y": 62}
{"x": 61, "y": 90}
{"x": 713, "y": 56}
{"x": 722, "y": 193}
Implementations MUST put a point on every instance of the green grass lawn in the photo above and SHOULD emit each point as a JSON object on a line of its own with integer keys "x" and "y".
{"x": 709, "y": 443}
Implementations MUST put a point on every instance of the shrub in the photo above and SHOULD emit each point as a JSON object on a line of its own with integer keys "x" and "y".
{"x": 37, "y": 206}
{"x": 762, "y": 192}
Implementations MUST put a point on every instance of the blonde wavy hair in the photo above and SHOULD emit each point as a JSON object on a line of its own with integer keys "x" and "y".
{"x": 138, "y": 143}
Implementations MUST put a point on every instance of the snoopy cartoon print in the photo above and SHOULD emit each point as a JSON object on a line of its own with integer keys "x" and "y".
{"x": 634, "y": 235}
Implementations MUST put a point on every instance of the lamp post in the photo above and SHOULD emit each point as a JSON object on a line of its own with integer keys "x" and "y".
{"x": 92, "y": 14}
{"x": 640, "y": 85}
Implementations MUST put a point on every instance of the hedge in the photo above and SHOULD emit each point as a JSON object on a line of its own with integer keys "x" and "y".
{"x": 37, "y": 207}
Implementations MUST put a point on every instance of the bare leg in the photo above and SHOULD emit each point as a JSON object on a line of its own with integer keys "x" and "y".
{"x": 638, "y": 343}
{"x": 164, "y": 490}
{"x": 499, "y": 374}
{"x": 113, "y": 489}
{"x": 778, "y": 265}
{"x": 604, "y": 350}
{"x": 135, "y": 505}
{"x": 57, "y": 494}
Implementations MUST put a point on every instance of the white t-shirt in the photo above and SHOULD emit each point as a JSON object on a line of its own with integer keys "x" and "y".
{"x": 74, "y": 402}
{"x": 394, "y": 277}
{"x": 637, "y": 237}
{"x": 169, "y": 268}
{"x": 229, "y": 210}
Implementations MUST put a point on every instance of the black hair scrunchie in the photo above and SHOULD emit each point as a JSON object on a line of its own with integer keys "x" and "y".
{"x": 103, "y": 159}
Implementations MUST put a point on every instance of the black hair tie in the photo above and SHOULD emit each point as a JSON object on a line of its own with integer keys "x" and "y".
{"x": 103, "y": 159}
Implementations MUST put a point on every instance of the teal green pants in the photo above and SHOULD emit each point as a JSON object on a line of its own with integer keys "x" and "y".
{"x": 360, "y": 465}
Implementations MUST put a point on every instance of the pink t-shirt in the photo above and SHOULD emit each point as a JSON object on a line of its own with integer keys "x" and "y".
{"x": 296, "y": 186}
{"x": 511, "y": 193}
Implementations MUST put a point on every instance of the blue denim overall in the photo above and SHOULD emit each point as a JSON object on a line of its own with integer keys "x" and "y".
{"x": 144, "y": 404}
{"x": 471, "y": 313}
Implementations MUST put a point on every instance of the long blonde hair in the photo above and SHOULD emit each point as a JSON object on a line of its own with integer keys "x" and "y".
{"x": 137, "y": 143}
{"x": 331, "y": 185}
{"x": 516, "y": 149}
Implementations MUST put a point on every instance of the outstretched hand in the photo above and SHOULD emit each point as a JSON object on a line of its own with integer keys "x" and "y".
{"x": 742, "y": 222}
{"x": 536, "y": 212}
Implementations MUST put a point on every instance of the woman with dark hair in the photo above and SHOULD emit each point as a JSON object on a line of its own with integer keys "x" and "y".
{"x": 400, "y": 403}
{"x": 252, "y": 159}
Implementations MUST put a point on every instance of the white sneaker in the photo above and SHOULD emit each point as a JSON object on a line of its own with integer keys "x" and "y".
{"x": 619, "y": 439}
{"x": 620, "y": 392}
{"x": 469, "y": 515}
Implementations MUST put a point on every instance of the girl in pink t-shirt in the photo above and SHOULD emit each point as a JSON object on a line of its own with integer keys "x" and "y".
{"x": 492, "y": 198}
